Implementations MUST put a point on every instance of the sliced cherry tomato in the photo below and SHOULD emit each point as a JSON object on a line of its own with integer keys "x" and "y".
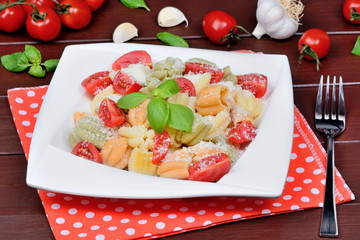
{"x": 87, "y": 150}
{"x": 161, "y": 146}
{"x": 124, "y": 84}
{"x": 242, "y": 132}
{"x": 39, "y": 3}
{"x": 46, "y": 29}
{"x": 314, "y": 44}
{"x": 254, "y": 82}
{"x": 12, "y": 18}
{"x": 97, "y": 82}
{"x": 186, "y": 86}
{"x": 110, "y": 113}
{"x": 77, "y": 16}
{"x": 134, "y": 57}
{"x": 351, "y": 11}
{"x": 94, "y": 4}
{"x": 210, "y": 169}
{"x": 216, "y": 73}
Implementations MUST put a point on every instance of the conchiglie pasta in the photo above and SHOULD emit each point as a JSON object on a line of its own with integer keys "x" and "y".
{"x": 140, "y": 162}
{"x": 138, "y": 136}
{"x": 91, "y": 129}
{"x": 176, "y": 165}
{"x": 95, "y": 103}
{"x": 249, "y": 102}
{"x": 205, "y": 149}
{"x": 199, "y": 130}
{"x": 212, "y": 100}
{"x": 238, "y": 114}
{"x": 219, "y": 124}
{"x": 183, "y": 99}
{"x": 116, "y": 152}
{"x": 200, "y": 81}
{"x": 138, "y": 115}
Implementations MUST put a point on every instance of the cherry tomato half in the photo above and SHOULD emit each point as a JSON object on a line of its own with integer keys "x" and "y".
{"x": 94, "y": 4}
{"x": 97, "y": 82}
{"x": 78, "y": 15}
{"x": 210, "y": 169}
{"x": 86, "y": 150}
{"x": 243, "y": 132}
{"x": 39, "y": 3}
{"x": 12, "y": 18}
{"x": 254, "y": 82}
{"x": 134, "y": 57}
{"x": 110, "y": 113}
{"x": 124, "y": 84}
{"x": 351, "y": 11}
{"x": 186, "y": 86}
{"x": 198, "y": 68}
{"x": 161, "y": 146}
{"x": 46, "y": 29}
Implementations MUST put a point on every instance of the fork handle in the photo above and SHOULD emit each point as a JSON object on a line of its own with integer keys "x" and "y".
{"x": 329, "y": 227}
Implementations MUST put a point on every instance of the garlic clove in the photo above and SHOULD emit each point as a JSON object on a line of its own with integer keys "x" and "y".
{"x": 124, "y": 32}
{"x": 171, "y": 16}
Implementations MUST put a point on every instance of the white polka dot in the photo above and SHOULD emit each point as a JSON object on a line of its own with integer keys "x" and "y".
{"x": 177, "y": 229}
{"x": 36, "y": 115}
{"x": 34, "y": 105}
{"x": 183, "y": 209}
{"x": 172, "y": 216}
{"x": 236, "y": 216}
{"x": 65, "y": 232}
{"x": 102, "y": 206}
{"x": 293, "y": 156}
{"x": 119, "y": 209}
{"x": 265, "y": 211}
{"x": 305, "y": 199}
{"x": 148, "y": 205}
{"x": 55, "y": 206}
{"x": 294, "y": 207}
{"x": 296, "y": 135}
{"x": 190, "y": 219}
{"x": 68, "y": 198}
{"x": 212, "y": 204}
{"x": 99, "y": 237}
{"x": 317, "y": 171}
{"x": 25, "y": 123}
{"x": 219, "y": 214}
{"x": 125, "y": 220}
{"x": 154, "y": 214}
{"x": 147, "y": 235}
{"x": 287, "y": 197}
{"x": 323, "y": 181}
{"x": 113, "y": 228}
{"x": 309, "y": 159}
{"x": 160, "y": 225}
{"x": 248, "y": 209}
{"x": 77, "y": 225}
{"x": 297, "y": 189}
{"x": 321, "y": 204}
{"x": 60, "y": 220}
{"x": 130, "y": 231}
{"x": 51, "y": 194}
{"x": 241, "y": 200}
{"x": 230, "y": 207}
{"x": 131, "y": 202}
{"x": 136, "y": 212}
{"x": 307, "y": 181}
{"x": 85, "y": 202}
{"x": 19, "y": 100}
{"x": 107, "y": 218}
{"x": 290, "y": 179}
{"x": 277, "y": 204}
{"x": 315, "y": 191}
{"x": 90, "y": 214}
{"x": 30, "y": 93}
{"x": 259, "y": 202}
{"x": 208, "y": 222}
{"x": 201, "y": 212}
{"x": 300, "y": 170}
{"x": 302, "y": 145}
{"x": 82, "y": 235}
{"x": 95, "y": 227}
{"x": 22, "y": 112}
{"x": 72, "y": 211}
{"x": 142, "y": 222}
{"x": 166, "y": 207}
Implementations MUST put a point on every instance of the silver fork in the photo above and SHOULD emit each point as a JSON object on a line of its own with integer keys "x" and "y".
{"x": 330, "y": 124}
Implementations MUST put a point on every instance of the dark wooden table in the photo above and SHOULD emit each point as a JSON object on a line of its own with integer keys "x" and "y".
{"x": 21, "y": 212}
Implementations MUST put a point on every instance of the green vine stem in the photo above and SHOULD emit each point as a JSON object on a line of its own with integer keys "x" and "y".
{"x": 307, "y": 50}
{"x": 35, "y": 14}
{"x": 232, "y": 34}
{"x": 355, "y": 15}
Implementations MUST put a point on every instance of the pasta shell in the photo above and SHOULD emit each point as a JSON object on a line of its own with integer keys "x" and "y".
{"x": 140, "y": 162}
{"x": 138, "y": 115}
{"x": 115, "y": 152}
{"x": 219, "y": 123}
{"x": 212, "y": 100}
{"x": 205, "y": 149}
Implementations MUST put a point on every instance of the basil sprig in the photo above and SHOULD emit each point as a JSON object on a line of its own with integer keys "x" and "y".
{"x": 356, "y": 49}
{"x": 135, "y": 4}
{"x": 31, "y": 57}
{"x": 171, "y": 39}
{"x": 159, "y": 111}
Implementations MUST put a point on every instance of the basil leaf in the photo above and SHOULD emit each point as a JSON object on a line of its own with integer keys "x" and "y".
{"x": 166, "y": 89}
{"x": 50, "y": 64}
{"x": 356, "y": 49}
{"x": 135, "y": 4}
{"x": 36, "y": 71}
{"x": 158, "y": 114}
{"x": 131, "y": 100}
{"x": 180, "y": 117}
{"x": 171, "y": 39}
{"x": 33, "y": 54}
{"x": 16, "y": 62}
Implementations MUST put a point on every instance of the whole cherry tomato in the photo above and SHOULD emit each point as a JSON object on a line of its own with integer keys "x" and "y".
{"x": 220, "y": 27}
{"x": 351, "y": 11}
{"x": 87, "y": 150}
{"x": 12, "y": 18}
{"x": 75, "y": 14}
{"x": 44, "y": 26}
{"x": 94, "y": 4}
{"x": 39, "y": 3}
{"x": 314, "y": 44}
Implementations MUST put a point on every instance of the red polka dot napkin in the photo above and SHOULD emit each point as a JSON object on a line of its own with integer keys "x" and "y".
{"x": 78, "y": 217}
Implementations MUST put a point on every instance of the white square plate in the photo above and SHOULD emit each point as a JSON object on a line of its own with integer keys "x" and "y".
{"x": 260, "y": 172}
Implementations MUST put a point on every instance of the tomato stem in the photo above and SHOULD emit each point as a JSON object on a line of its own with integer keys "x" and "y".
{"x": 307, "y": 50}
{"x": 355, "y": 15}
{"x": 19, "y": 2}
{"x": 232, "y": 34}
{"x": 61, "y": 9}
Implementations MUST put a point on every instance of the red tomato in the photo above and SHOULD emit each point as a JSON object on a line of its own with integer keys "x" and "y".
{"x": 314, "y": 44}
{"x": 161, "y": 146}
{"x": 46, "y": 29}
{"x": 186, "y": 86}
{"x": 216, "y": 73}
{"x": 78, "y": 15}
{"x": 110, "y": 113}
{"x": 94, "y": 4}
{"x": 39, "y": 3}
{"x": 254, "y": 82}
{"x": 133, "y": 57}
{"x": 351, "y": 11}
{"x": 210, "y": 169}
{"x": 220, "y": 27}
{"x": 12, "y": 18}
{"x": 87, "y": 150}
{"x": 124, "y": 84}
{"x": 242, "y": 132}
{"x": 97, "y": 82}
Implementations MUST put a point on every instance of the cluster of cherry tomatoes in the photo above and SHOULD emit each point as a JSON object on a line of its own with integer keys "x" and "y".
{"x": 43, "y": 18}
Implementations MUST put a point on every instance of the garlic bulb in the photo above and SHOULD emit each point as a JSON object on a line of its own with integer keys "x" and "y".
{"x": 170, "y": 16}
{"x": 279, "y": 19}
{"x": 124, "y": 32}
